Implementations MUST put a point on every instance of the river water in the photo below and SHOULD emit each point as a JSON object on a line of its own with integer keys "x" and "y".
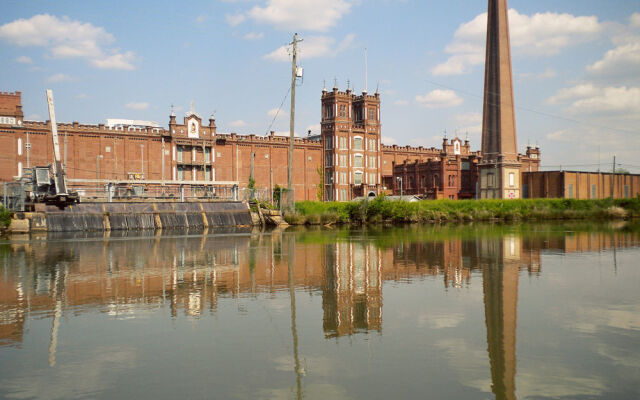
{"x": 458, "y": 312}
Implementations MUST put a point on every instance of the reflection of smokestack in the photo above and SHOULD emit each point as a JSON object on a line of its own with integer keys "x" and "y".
{"x": 53, "y": 344}
{"x": 500, "y": 283}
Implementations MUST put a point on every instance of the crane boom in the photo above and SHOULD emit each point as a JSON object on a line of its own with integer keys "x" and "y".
{"x": 58, "y": 169}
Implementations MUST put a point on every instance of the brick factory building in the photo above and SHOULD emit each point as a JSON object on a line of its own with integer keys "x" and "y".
{"x": 347, "y": 160}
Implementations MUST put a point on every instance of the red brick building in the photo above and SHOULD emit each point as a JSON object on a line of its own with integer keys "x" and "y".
{"x": 450, "y": 173}
{"x": 345, "y": 161}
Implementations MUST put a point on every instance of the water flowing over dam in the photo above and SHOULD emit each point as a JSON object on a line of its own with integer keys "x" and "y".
{"x": 140, "y": 216}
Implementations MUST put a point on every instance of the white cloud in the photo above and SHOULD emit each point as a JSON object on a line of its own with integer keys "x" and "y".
{"x": 115, "y": 61}
{"x": 201, "y": 18}
{"x": 275, "y": 111}
{"x": 253, "y": 36}
{"x": 590, "y": 99}
{"x": 546, "y": 74}
{"x": 635, "y": 20}
{"x": 540, "y": 34}
{"x": 470, "y": 123}
{"x": 315, "y": 129}
{"x": 621, "y": 61}
{"x": 308, "y": 15}
{"x": 313, "y": 47}
{"x": 459, "y": 64}
{"x": 401, "y": 103}
{"x": 236, "y": 19}
{"x": 81, "y": 96}
{"x": 578, "y": 91}
{"x": 610, "y": 99}
{"x": 560, "y": 136}
{"x": 389, "y": 141}
{"x": 56, "y": 78}
{"x": 237, "y": 123}
{"x": 439, "y": 99}
{"x": 64, "y": 38}
{"x": 24, "y": 60}
{"x": 137, "y": 106}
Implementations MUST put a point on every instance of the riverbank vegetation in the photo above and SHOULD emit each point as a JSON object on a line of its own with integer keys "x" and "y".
{"x": 382, "y": 210}
{"x": 5, "y": 218}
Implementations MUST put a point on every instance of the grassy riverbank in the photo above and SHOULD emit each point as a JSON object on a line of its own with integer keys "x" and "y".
{"x": 5, "y": 218}
{"x": 380, "y": 210}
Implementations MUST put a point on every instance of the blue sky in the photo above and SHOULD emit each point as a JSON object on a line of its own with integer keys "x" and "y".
{"x": 576, "y": 66}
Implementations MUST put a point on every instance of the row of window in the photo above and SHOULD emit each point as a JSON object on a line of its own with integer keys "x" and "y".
{"x": 180, "y": 150}
{"x": 357, "y": 143}
{"x": 180, "y": 176}
{"x": 357, "y": 160}
{"x": 329, "y": 112}
{"x": 357, "y": 178}
{"x": 491, "y": 181}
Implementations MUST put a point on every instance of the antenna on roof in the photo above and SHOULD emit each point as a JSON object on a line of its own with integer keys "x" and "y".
{"x": 173, "y": 114}
{"x": 348, "y": 84}
{"x": 324, "y": 84}
{"x": 335, "y": 83}
{"x": 445, "y": 133}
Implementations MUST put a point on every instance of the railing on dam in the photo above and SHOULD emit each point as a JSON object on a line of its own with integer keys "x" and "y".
{"x": 145, "y": 190}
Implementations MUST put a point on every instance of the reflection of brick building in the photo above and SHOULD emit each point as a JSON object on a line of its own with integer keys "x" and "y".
{"x": 347, "y": 158}
{"x": 190, "y": 275}
{"x": 352, "y": 289}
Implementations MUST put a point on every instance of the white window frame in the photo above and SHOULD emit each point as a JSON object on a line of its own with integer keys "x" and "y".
{"x": 355, "y": 174}
{"x": 361, "y": 143}
{"x": 360, "y": 157}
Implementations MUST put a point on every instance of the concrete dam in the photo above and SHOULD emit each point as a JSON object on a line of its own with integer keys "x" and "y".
{"x": 90, "y": 217}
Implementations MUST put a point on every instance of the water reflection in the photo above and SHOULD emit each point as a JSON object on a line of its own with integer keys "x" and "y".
{"x": 187, "y": 275}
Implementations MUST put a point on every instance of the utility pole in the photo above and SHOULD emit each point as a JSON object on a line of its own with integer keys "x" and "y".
{"x": 253, "y": 157}
{"x": 162, "y": 174}
{"x": 28, "y": 147}
{"x": 142, "y": 161}
{"x": 294, "y": 70}
{"x": 613, "y": 177}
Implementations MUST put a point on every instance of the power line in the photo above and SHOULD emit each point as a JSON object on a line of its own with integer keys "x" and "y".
{"x": 579, "y": 122}
{"x": 278, "y": 111}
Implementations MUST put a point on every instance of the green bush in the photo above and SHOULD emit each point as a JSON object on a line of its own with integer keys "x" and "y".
{"x": 314, "y": 219}
{"x": 380, "y": 210}
{"x": 5, "y": 217}
{"x": 295, "y": 219}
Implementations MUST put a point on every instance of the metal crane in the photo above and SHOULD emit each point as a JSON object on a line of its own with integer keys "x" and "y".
{"x": 51, "y": 190}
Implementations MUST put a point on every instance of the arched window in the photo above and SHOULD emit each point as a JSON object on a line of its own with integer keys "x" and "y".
{"x": 436, "y": 181}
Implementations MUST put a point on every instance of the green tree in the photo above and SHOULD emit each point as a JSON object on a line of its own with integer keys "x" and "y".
{"x": 320, "y": 186}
